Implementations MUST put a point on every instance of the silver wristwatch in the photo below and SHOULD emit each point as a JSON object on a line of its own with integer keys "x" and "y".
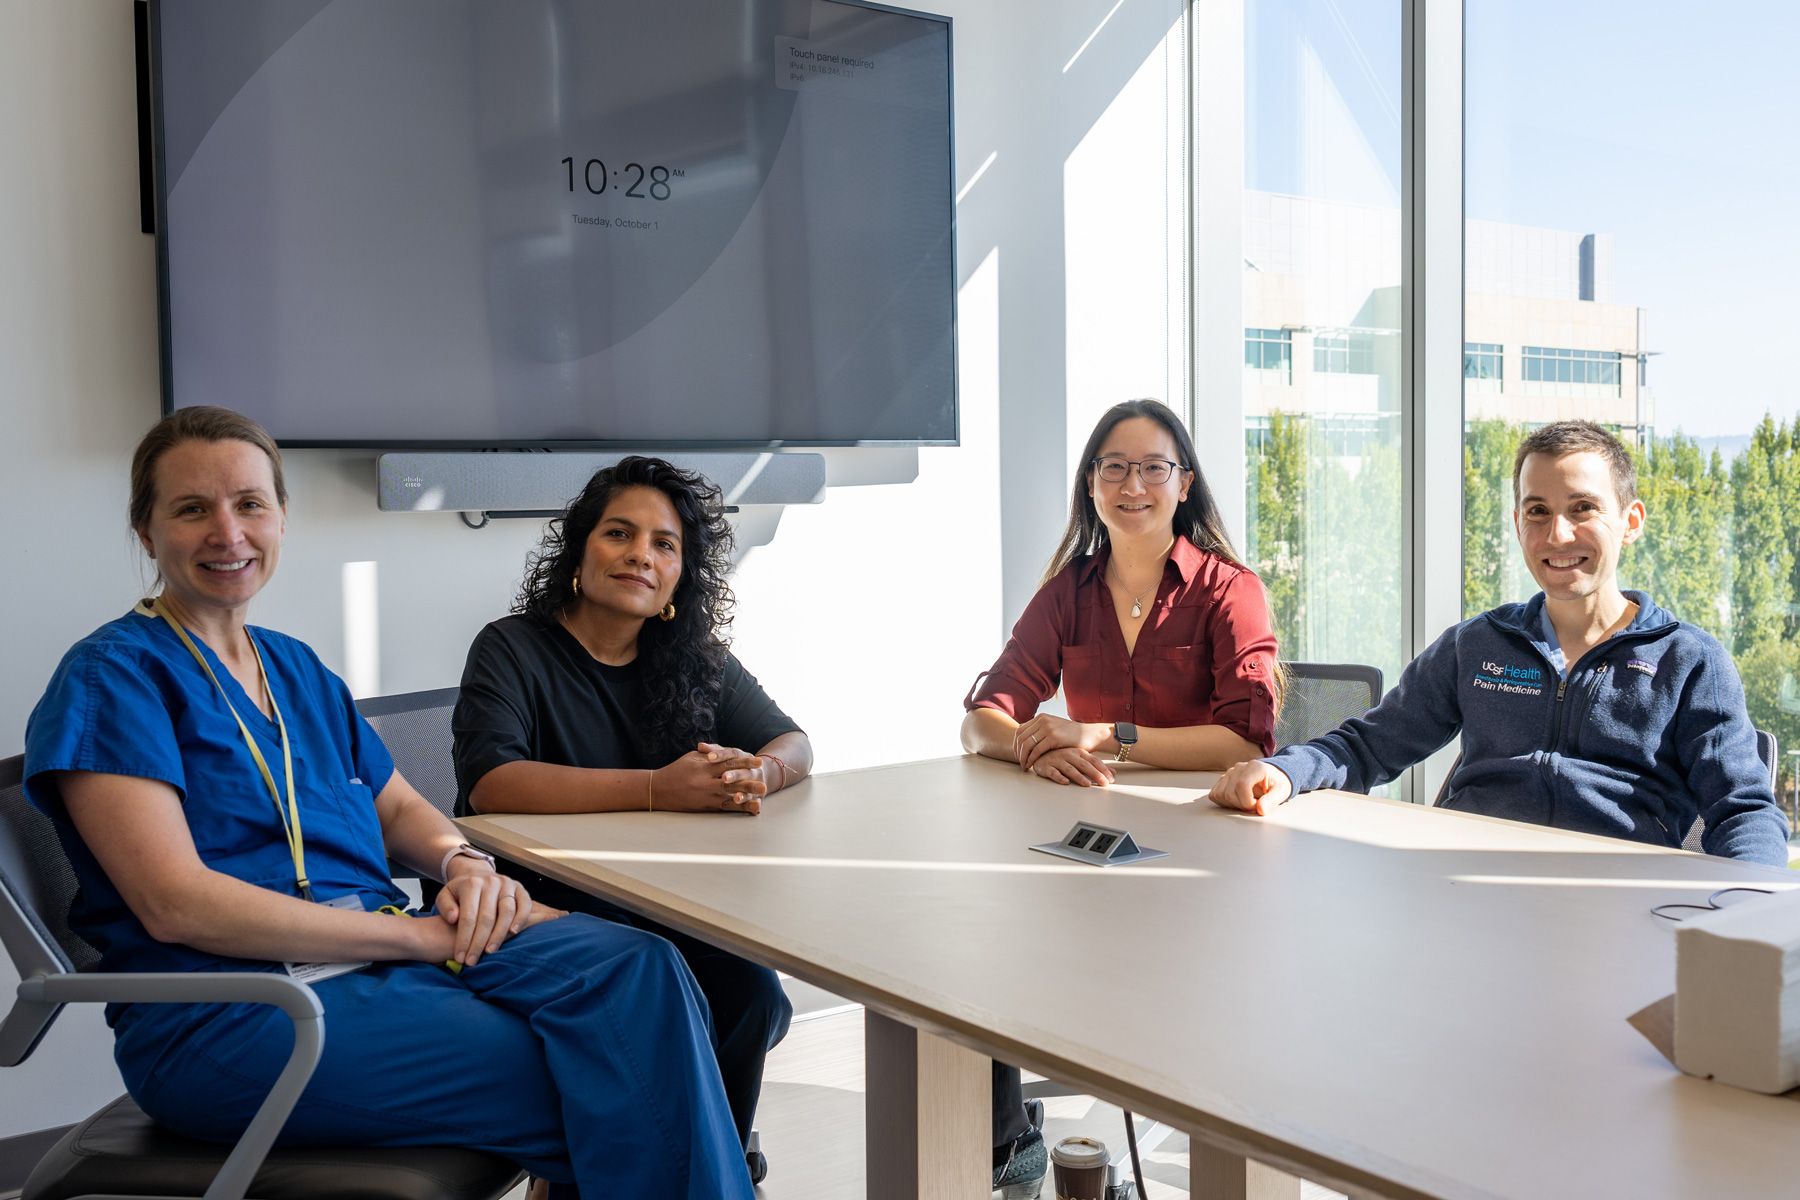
{"x": 1125, "y": 733}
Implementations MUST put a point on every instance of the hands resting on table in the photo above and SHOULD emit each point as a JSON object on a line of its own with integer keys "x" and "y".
{"x": 1075, "y": 752}
{"x": 1253, "y": 787}
{"x": 1063, "y": 751}
{"x": 714, "y": 778}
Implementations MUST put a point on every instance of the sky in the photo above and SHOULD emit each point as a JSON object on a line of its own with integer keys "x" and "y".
{"x": 1675, "y": 134}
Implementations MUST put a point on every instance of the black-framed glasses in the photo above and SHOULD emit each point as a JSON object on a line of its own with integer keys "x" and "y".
{"x": 1152, "y": 470}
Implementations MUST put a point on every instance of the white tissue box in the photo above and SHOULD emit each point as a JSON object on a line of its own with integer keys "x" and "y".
{"x": 1737, "y": 994}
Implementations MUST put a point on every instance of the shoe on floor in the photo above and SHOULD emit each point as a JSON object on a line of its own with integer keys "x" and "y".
{"x": 1019, "y": 1175}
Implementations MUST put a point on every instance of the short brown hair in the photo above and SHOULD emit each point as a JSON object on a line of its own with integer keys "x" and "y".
{"x": 202, "y": 423}
{"x": 1574, "y": 437}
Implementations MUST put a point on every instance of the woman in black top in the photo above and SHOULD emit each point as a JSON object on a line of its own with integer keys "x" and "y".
{"x": 611, "y": 688}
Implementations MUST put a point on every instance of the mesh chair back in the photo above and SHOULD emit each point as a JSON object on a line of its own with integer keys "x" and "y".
{"x": 1766, "y": 749}
{"x": 37, "y": 876}
{"x": 415, "y": 728}
{"x": 1322, "y": 696}
{"x": 1443, "y": 792}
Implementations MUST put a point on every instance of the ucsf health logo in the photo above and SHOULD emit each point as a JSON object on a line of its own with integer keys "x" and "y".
{"x": 1506, "y": 678}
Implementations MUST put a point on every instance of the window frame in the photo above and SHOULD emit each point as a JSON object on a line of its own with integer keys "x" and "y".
{"x": 1354, "y": 349}
{"x": 1433, "y": 278}
{"x": 1263, "y": 339}
{"x": 1432, "y": 299}
{"x": 1478, "y": 355}
{"x": 1573, "y": 367}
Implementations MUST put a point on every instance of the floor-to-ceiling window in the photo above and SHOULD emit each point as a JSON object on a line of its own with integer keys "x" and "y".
{"x": 1631, "y": 259}
{"x": 1321, "y": 369}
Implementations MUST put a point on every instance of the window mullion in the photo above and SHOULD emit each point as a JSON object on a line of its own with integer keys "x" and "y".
{"x": 1431, "y": 334}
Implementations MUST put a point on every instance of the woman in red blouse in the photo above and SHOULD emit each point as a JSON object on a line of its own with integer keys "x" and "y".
{"x": 1147, "y": 618}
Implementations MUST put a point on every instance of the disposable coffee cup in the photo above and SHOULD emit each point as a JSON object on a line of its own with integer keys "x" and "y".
{"x": 1079, "y": 1164}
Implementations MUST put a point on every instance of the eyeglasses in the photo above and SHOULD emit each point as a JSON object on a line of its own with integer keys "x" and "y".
{"x": 1152, "y": 470}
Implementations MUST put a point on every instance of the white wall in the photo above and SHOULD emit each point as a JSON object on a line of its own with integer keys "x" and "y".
{"x": 867, "y": 617}
{"x": 1125, "y": 247}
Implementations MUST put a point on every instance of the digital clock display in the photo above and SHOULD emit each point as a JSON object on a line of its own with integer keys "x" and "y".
{"x": 485, "y": 222}
{"x": 593, "y": 178}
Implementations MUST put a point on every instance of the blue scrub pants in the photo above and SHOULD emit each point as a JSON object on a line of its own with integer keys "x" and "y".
{"x": 750, "y": 1011}
{"x": 581, "y": 1049}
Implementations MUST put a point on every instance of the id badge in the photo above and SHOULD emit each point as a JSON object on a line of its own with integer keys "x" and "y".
{"x": 317, "y": 972}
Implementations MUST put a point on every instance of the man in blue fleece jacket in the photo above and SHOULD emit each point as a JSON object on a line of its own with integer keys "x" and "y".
{"x": 1585, "y": 707}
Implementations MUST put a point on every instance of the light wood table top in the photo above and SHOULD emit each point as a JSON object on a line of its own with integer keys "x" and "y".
{"x": 1376, "y": 996}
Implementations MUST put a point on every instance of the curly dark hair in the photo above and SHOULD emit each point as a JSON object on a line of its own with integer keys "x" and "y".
{"x": 684, "y": 658}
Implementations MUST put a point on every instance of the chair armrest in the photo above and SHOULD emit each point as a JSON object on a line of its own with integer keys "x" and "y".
{"x": 175, "y": 987}
{"x": 295, "y": 999}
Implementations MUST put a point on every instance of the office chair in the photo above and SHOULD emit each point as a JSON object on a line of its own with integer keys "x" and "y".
{"x": 415, "y": 728}
{"x": 1766, "y": 749}
{"x": 121, "y": 1154}
{"x": 1322, "y": 696}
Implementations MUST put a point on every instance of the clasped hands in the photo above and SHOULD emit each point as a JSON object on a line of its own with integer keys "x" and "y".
{"x": 714, "y": 778}
{"x": 477, "y": 910}
{"x": 1063, "y": 751}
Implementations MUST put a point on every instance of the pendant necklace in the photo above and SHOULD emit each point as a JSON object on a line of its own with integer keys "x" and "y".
{"x": 1137, "y": 601}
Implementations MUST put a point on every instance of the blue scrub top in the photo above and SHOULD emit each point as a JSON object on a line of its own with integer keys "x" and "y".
{"x": 129, "y": 699}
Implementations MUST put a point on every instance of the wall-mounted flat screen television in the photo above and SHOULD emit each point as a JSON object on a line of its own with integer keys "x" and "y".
{"x": 508, "y": 223}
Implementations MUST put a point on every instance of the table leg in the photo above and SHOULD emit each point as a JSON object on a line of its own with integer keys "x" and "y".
{"x": 1215, "y": 1174}
{"x": 928, "y": 1115}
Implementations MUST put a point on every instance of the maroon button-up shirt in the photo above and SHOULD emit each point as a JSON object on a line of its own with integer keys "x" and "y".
{"x": 1205, "y": 655}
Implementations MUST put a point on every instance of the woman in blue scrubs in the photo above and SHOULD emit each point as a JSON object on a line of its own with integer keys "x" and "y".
{"x": 225, "y": 808}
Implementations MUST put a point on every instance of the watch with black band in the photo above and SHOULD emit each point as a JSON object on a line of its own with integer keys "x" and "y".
{"x": 1125, "y": 733}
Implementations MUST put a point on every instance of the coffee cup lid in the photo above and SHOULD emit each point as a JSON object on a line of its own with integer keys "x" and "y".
{"x": 1079, "y": 1152}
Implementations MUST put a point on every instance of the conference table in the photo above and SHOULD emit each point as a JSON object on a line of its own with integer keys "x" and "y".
{"x": 1385, "y": 999}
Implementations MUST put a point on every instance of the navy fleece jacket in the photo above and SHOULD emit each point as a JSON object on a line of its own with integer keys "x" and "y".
{"x": 1648, "y": 731}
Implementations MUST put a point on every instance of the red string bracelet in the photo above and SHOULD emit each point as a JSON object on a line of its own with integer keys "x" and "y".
{"x": 784, "y": 769}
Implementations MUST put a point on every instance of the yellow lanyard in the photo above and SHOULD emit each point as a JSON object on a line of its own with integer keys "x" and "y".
{"x": 290, "y": 812}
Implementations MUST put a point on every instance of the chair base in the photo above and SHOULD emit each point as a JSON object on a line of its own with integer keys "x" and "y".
{"x": 119, "y": 1151}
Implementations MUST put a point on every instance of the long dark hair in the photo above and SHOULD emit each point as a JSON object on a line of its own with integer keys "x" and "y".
{"x": 684, "y": 658}
{"x": 1196, "y": 518}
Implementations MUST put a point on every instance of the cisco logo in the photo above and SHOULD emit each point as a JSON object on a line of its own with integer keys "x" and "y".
{"x": 412, "y": 481}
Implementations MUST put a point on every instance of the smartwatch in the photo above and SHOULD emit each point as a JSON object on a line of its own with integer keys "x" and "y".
{"x": 463, "y": 851}
{"x": 1125, "y": 733}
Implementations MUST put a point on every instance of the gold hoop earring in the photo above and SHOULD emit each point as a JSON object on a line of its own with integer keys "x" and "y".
{"x": 575, "y": 585}
{"x": 668, "y": 611}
